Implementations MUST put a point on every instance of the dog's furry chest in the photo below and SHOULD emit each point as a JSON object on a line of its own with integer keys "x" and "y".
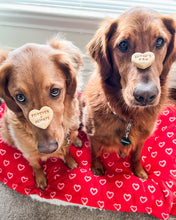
{"x": 110, "y": 130}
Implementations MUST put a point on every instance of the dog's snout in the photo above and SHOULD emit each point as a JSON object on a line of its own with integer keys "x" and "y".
{"x": 145, "y": 94}
{"x": 48, "y": 148}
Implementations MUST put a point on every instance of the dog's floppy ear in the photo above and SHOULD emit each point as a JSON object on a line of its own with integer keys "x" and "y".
{"x": 64, "y": 63}
{"x": 68, "y": 57}
{"x": 3, "y": 55}
{"x": 170, "y": 24}
{"x": 73, "y": 52}
{"x": 5, "y": 72}
{"x": 98, "y": 47}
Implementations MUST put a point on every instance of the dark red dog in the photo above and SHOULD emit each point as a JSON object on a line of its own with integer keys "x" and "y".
{"x": 123, "y": 99}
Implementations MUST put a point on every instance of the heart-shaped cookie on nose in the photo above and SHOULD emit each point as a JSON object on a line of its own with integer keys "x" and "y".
{"x": 143, "y": 60}
{"x": 41, "y": 118}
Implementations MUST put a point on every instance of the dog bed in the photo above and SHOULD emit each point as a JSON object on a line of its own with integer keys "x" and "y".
{"x": 118, "y": 189}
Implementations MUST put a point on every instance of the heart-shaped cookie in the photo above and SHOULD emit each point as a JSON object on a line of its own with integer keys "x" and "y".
{"x": 143, "y": 60}
{"x": 41, "y": 118}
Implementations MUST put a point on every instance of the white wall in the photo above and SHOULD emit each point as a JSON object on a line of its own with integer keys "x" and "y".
{"x": 20, "y": 25}
{"x": 23, "y": 24}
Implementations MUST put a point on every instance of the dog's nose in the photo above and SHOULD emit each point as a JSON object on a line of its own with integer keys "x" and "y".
{"x": 48, "y": 148}
{"x": 145, "y": 94}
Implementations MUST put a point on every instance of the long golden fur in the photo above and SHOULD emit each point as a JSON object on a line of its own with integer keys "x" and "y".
{"x": 34, "y": 76}
{"x": 112, "y": 97}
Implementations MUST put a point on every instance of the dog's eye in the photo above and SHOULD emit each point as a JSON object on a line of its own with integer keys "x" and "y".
{"x": 123, "y": 46}
{"x": 20, "y": 98}
{"x": 55, "y": 92}
{"x": 159, "y": 42}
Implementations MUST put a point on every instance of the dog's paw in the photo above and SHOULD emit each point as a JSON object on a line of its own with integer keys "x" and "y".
{"x": 97, "y": 171}
{"x": 41, "y": 181}
{"x": 71, "y": 163}
{"x": 141, "y": 174}
{"x": 77, "y": 142}
{"x": 97, "y": 168}
{"x": 123, "y": 154}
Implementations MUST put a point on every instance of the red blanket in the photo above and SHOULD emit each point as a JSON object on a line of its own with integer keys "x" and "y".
{"x": 119, "y": 189}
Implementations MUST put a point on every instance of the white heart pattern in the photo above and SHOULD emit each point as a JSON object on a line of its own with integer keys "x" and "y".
{"x": 119, "y": 189}
{"x": 2, "y": 152}
{"x": 21, "y": 167}
{"x": 60, "y": 186}
{"x": 109, "y": 194}
{"x": 93, "y": 191}
{"x": 100, "y": 204}
{"x": 127, "y": 197}
{"x": 84, "y": 200}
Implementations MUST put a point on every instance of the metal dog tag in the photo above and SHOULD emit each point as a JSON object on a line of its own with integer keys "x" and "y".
{"x": 125, "y": 141}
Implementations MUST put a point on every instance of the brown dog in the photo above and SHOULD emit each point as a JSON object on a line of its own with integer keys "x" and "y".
{"x": 123, "y": 99}
{"x": 34, "y": 76}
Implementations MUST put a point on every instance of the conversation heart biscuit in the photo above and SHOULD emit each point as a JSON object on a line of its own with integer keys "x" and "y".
{"x": 143, "y": 60}
{"x": 41, "y": 118}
